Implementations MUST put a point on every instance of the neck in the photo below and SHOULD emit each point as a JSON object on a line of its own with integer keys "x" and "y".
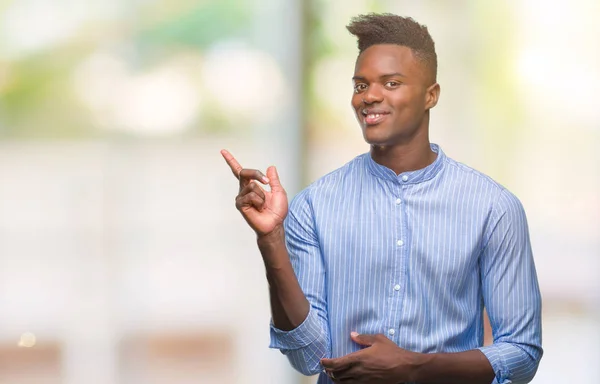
{"x": 404, "y": 157}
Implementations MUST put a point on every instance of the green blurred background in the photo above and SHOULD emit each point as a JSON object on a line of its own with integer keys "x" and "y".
{"x": 122, "y": 257}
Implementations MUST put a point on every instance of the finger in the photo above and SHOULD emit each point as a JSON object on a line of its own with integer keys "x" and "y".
{"x": 253, "y": 187}
{"x": 366, "y": 340}
{"x": 333, "y": 376}
{"x": 349, "y": 375}
{"x": 250, "y": 200}
{"x": 274, "y": 182}
{"x": 236, "y": 168}
{"x": 340, "y": 363}
{"x": 246, "y": 175}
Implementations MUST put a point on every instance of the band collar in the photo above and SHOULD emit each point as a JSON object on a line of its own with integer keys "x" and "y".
{"x": 410, "y": 177}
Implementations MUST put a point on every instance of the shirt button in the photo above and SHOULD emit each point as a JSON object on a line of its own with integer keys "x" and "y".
{"x": 404, "y": 178}
{"x": 398, "y": 201}
{"x": 400, "y": 242}
{"x": 397, "y": 287}
{"x": 392, "y": 332}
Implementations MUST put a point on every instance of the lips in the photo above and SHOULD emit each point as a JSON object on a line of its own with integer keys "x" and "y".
{"x": 374, "y": 116}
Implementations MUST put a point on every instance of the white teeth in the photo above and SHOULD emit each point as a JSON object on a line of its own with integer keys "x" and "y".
{"x": 373, "y": 115}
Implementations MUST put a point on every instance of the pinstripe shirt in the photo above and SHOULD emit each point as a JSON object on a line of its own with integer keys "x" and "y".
{"x": 416, "y": 257}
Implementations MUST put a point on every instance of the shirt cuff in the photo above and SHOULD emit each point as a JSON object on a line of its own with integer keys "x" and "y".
{"x": 494, "y": 354}
{"x": 299, "y": 337}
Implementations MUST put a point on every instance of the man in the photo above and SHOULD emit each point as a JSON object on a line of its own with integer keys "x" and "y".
{"x": 391, "y": 259}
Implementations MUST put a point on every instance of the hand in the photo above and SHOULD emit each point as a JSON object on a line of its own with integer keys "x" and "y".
{"x": 381, "y": 362}
{"x": 264, "y": 211}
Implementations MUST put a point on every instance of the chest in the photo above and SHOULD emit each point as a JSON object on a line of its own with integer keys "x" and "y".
{"x": 380, "y": 233}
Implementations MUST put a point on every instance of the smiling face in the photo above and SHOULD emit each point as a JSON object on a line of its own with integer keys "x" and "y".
{"x": 393, "y": 92}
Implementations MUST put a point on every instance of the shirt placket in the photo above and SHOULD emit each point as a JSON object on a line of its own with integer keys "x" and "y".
{"x": 400, "y": 243}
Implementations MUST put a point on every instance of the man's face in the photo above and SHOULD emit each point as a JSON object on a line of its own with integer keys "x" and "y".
{"x": 392, "y": 92}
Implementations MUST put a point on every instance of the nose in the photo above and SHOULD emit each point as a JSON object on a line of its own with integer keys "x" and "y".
{"x": 372, "y": 95}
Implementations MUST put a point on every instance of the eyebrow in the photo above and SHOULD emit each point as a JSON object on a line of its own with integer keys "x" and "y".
{"x": 381, "y": 77}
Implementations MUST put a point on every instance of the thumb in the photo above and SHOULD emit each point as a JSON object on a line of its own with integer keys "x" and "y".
{"x": 274, "y": 182}
{"x": 366, "y": 340}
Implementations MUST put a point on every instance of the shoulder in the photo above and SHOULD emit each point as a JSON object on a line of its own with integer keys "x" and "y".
{"x": 331, "y": 183}
{"x": 319, "y": 195}
{"x": 501, "y": 202}
{"x": 461, "y": 173}
{"x": 482, "y": 187}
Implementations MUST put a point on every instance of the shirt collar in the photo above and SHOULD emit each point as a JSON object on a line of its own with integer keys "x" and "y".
{"x": 410, "y": 177}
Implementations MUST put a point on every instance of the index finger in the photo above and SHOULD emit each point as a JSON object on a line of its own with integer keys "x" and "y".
{"x": 339, "y": 363}
{"x": 236, "y": 168}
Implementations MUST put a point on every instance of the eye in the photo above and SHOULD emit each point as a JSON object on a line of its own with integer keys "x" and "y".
{"x": 359, "y": 87}
{"x": 392, "y": 84}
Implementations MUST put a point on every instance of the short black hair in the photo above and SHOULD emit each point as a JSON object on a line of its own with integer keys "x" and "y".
{"x": 386, "y": 28}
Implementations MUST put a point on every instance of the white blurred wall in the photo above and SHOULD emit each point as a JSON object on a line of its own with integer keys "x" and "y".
{"x": 101, "y": 243}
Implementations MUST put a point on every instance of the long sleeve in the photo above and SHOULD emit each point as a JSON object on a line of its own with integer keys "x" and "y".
{"x": 511, "y": 294}
{"x": 307, "y": 344}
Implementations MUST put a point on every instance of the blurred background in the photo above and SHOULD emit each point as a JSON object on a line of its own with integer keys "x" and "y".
{"x": 122, "y": 257}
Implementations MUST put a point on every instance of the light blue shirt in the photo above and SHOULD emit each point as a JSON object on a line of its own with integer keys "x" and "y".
{"x": 416, "y": 257}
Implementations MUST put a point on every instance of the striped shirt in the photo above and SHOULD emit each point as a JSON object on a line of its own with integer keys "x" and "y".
{"x": 416, "y": 257}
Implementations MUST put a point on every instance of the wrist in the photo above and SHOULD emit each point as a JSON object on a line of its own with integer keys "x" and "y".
{"x": 276, "y": 236}
{"x": 417, "y": 365}
{"x": 273, "y": 250}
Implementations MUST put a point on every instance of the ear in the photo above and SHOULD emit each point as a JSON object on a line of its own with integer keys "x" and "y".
{"x": 431, "y": 96}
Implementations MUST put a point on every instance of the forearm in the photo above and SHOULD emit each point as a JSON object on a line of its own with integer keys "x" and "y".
{"x": 470, "y": 367}
{"x": 296, "y": 285}
{"x": 289, "y": 306}
{"x": 306, "y": 345}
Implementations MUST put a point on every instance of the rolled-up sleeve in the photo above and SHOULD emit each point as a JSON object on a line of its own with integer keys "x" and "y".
{"x": 511, "y": 294}
{"x": 307, "y": 344}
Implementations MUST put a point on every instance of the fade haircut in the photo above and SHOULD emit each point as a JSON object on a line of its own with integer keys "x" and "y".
{"x": 386, "y": 28}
